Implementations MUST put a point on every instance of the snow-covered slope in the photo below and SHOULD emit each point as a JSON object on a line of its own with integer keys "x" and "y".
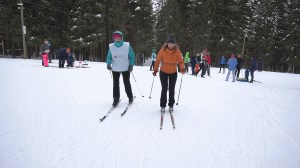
{"x": 49, "y": 117}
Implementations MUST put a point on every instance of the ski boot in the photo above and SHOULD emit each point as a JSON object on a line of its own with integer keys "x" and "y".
{"x": 171, "y": 109}
{"x": 116, "y": 102}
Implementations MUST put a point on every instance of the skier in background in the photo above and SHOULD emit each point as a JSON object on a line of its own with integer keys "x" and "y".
{"x": 222, "y": 63}
{"x": 253, "y": 66}
{"x": 141, "y": 58}
{"x": 186, "y": 62}
{"x": 153, "y": 55}
{"x": 260, "y": 66}
{"x": 193, "y": 63}
{"x": 202, "y": 67}
{"x": 208, "y": 62}
{"x": 240, "y": 62}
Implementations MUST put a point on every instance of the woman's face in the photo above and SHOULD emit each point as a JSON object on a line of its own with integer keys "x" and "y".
{"x": 171, "y": 45}
{"x": 118, "y": 39}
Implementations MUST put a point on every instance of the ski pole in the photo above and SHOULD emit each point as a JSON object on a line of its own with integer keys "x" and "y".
{"x": 151, "y": 87}
{"x": 179, "y": 90}
{"x": 137, "y": 84}
{"x": 110, "y": 74}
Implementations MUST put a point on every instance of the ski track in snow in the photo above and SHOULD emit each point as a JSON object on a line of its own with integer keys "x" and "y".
{"x": 50, "y": 118}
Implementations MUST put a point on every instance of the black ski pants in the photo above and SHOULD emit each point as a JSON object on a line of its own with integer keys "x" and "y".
{"x": 167, "y": 81}
{"x": 152, "y": 65}
{"x": 61, "y": 63}
{"x": 222, "y": 66}
{"x": 116, "y": 86}
{"x": 201, "y": 68}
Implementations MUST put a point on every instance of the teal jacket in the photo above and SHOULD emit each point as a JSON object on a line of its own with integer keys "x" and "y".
{"x": 120, "y": 44}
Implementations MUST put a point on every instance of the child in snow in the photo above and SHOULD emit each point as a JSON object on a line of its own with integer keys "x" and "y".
{"x": 169, "y": 55}
{"x": 120, "y": 59}
{"x": 246, "y": 76}
{"x": 44, "y": 50}
{"x": 70, "y": 59}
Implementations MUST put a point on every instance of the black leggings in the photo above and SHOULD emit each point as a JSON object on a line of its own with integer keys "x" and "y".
{"x": 238, "y": 69}
{"x": 167, "y": 80}
{"x": 222, "y": 66}
{"x": 126, "y": 81}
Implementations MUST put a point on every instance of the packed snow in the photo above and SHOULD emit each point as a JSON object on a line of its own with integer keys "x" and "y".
{"x": 50, "y": 118}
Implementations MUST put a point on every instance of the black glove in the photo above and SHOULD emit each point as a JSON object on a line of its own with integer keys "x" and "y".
{"x": 109, "y": 67}
{"x": 130, "y": 68}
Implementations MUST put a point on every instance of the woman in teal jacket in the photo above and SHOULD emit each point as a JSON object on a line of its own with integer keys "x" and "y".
{"x": 120, "y": 59}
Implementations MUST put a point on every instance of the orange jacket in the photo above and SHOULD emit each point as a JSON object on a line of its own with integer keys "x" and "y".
{"x": 169, "y": 59}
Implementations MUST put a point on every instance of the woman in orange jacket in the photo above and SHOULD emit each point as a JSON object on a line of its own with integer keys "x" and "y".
{"x": 168, "y": 55}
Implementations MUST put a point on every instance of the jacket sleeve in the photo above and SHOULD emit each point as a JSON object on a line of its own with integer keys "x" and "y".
{"x": 131, "y": 56}
{"x": 108, "y": 58}
{"x": 157, "y": 61}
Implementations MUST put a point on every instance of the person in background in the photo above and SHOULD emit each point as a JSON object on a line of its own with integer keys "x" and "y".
{"x": 193, "y": 63}
{"x": 247, "y": 73}
{"x": 260, "y": 66}
{"x": 202, "y": 67}
{"x": 153, "y": 55}
{"x": 49, "y": 54}
{"x": 253, "y": 66}
{"x": 169, "y": 55}
{"x": 208, "y": 61}
{"x": 120, "y": 60}
{"x": 186, "y": 62}
{"x": 61, "y": 54}
{"x": 222, "y": 63}
{"x": 141, "y": 58}
{"x": 70, "y": 59}
{"x": 240, "y": 63}
{"x": 44, "y": 49}
{"x": 232, "y": 67}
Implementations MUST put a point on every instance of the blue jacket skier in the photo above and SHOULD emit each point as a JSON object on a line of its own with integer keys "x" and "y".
{"x": 222, "y": 63}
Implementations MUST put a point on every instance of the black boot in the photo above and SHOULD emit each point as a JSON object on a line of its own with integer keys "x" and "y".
{"x": 130, "y": 100}
{"x": 116, "y": 102}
